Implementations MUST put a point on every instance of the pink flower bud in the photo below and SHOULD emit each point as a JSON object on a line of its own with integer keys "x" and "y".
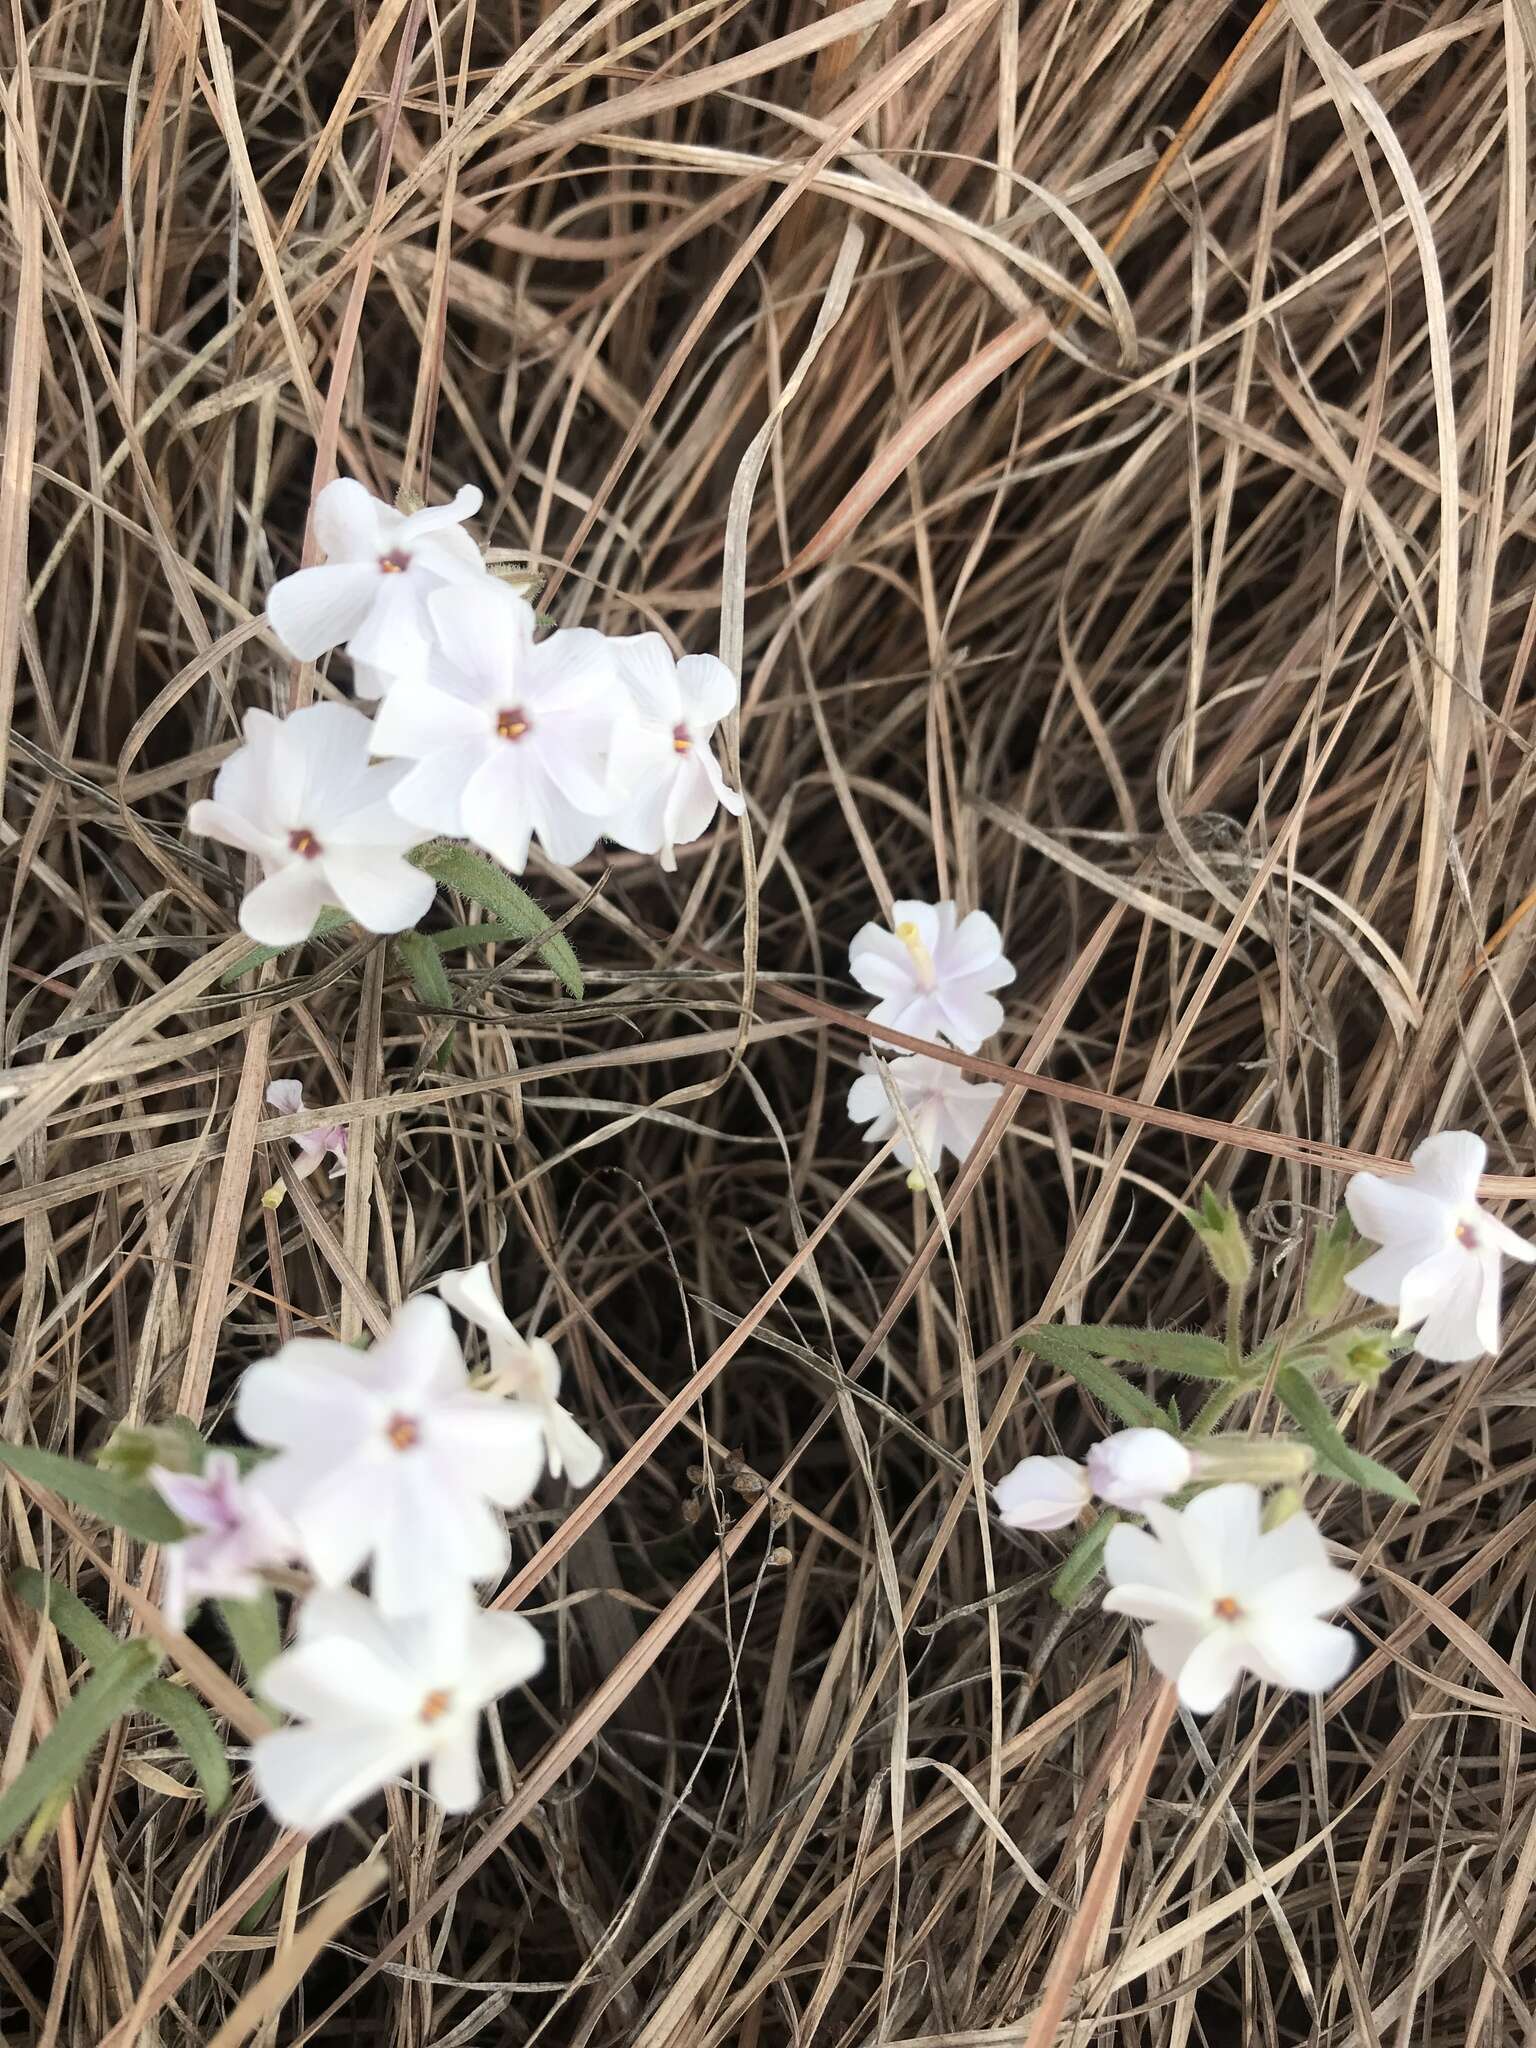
{"x": 1136, "y": 1466}
{"x": 1042, "y": 1493}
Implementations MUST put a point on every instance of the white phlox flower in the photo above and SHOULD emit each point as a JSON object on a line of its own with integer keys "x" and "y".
{"x": 1439, "y": 1259}
{"x": 933, "y": 972}
{"x": 236, "y": 1532}
{"x": 511, "y": 738}
{"x": 526, "y": 1369}
{"x": 1135, "y": 1467}
{"x": 944, "y": 1110}
{"x": 1042, "y": 1493}
{"x": 370, "y": 593}
{"x": 376, "y": 1696}
{"x": 287, "y": 1098}
{"x": 303, "y": 797}
{"x": 390, "y": 1455}
{"x": 1224, "y": 1597}
{"x": 678, "y": 783}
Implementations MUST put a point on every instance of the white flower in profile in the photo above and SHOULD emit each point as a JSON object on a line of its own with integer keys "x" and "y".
{"x": 525, "y": 1368}
{"x": 235, "y": 1533}
{"x": 370, "y": 593}
{"x": 302, "y": 796}
{"x": 1135, "y": 1467}
{"x": 933, "y": 972}
{"x": 390, "y": 1454}
{"x": 1224, "y": 1597}
{"x": 1439, "y": 1258}
{"x": 511, "y": 738}
{"x": 944, "y": 1110}
{"x": 678, "y": 784}
{"x": 1042, "y": 1493}
{"x": 376, "y": 1696}
{"x": 287, "y": 1098}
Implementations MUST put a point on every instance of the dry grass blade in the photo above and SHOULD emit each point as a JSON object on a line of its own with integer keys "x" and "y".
{"x": 1101, "y": 435}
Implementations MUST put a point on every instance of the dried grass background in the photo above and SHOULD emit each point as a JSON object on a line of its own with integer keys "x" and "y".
{"x": 1146, "y": 555}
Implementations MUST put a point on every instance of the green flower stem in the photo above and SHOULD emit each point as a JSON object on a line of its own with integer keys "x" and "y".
{"x": 1216, "y": 1407}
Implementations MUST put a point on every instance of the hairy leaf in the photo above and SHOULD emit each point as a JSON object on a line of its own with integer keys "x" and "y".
{"x": 65, "y": 1751}
{"x": 1305, "y": 1406}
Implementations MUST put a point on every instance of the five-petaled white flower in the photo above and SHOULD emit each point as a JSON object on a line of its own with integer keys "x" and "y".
{"x": 677, "y": 781}
{"x": 370, "y": 593}
{"x": 525, "y": 1368}
{"x": 1135, "y": 1467}
{"x": 377, "y": 1695}
{"x": 510, "y": 737}
{"x": 302, "y": 796}
{"x": 1223, "y": 1597}
{"x": 236, "y": 1531}
{"x": 944, "y": 1110}
{"x": 933, "y": 973}
{"x": 1438, "y": 1263}
{"x": 390, "y": 1454}
{"x": 287, "y": 1098}
{"x": 1042, "y": 1493}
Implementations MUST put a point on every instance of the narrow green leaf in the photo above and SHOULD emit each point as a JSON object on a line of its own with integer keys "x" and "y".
{"x": 1180, "y": 1351}
{"x": 328, "y": 921}
{"x": 1081, "y": 1566}
{"x": 138, "y": 1510}
{"x": 1334, "y": 1456}
{"x": 191, "y": 1724}
{"x": 483, "y": 882}
{"x": 429, "y": 978}
{"x": 186, "y": 1717}
{"x": 254, "y": 1631}
{"x": 1058, "y": 1344}
{"x": 64, "y": 1752}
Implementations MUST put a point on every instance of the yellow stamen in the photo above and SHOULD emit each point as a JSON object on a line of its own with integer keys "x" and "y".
{"x": 511, "y": 725}
{"x": 1226, "y": 1608}
{"x": 915, "y": 1180}
{"x": 403, "y": 1433}
{"x": 922, "y": 959}
{"x": 1467, "y": 1236}
{"x": 435, "y": 1705}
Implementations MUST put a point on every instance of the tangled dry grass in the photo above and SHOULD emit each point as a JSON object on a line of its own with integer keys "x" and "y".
{"x": 1134, "y": 536}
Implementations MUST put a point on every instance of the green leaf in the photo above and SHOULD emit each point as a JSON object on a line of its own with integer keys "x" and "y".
{"x": 1081, "y": 1567}
{"x": 1061, "y": 1345}
{"x": 483, "y": 882}
{"x": 1180, "y": 1351}
{"x": 254, "y": 1631}
{"x": 1334, "y": 1456}
{"x": 186, "y": 1717}
{"x": 429, "y": 978}
{"x": 189, "y": 1721}
{"x": 136, "y": 1509}
{"x": 328, "y": 921}
{"x": 65, "y": 1751}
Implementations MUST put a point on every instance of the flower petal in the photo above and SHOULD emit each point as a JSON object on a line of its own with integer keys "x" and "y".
{"x": 309, "y": 1777}
{"x": 440, "y": 1531}
{"x": 347, "y": 521}
{"x": 1393, "y": 1212}
{"x": 381, "y": 891}
{"x": 469, "y": 1293}
{"x": 214, "y": 820}
{"x": 495, "y": 1446}
{"x": 1307, "y": 1655}
{"x": 501, "y": 1650}
{"x": 572, "y": 1453}
{"x": 1450, "y": 1165}
{"x": 1211, "y": 1669}
{"x": 970, "y": 1016}
{"x": 282, "y": 910}
{"x": 299, "y": 1398}
{"x": 317, "y": 609}
{"x": 419, "y": 722}
{"x": 1454, "y": 1299}
{"x": 485, "y": 630}
{"x": 453, "y": 1776}
{"x": 338, "y": 1678}
{"x": 710, "y": 691}
{"x": 496, "y": 809}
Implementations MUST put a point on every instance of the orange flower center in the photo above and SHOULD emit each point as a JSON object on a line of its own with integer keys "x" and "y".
{"x": 511, "y": 724}
{"x": 395, "y": 563}
{"x": 1226, "y": 1608}
{"x": 402, "y": 1432}
{"x": 435, "y": 1705}
{"x": 305, "y": 844}
{"x": 1466, "y": 1235}
{"x": 682, "y": 740}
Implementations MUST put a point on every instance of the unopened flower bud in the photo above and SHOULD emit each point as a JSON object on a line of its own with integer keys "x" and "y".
{"x": 1219, "y": 1229}
{"x": 1260, "y": 1460}
{"x": 1337, "y": 1250}
{"x": 1042, "y": 1493}
{"x": 1284, "y": 1502}
{"x": 1360, "y": 1355}
{"x": 1138, "y": 1466}
{"x": 131, "y": 1450}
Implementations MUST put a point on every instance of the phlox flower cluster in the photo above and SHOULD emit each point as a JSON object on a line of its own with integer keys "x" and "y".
{"x": 933, "y": 972}
{"x": 395, "y": 1461}
{"x": 482, "y": 730}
